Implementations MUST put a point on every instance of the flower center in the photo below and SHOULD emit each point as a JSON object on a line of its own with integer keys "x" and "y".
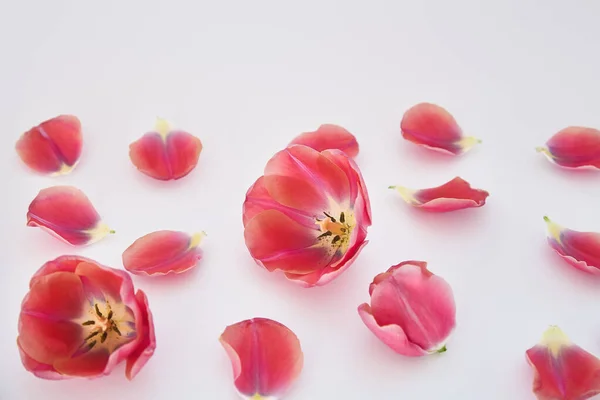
{"x": 102, "y": 326}
{"x": 336, "y": 231}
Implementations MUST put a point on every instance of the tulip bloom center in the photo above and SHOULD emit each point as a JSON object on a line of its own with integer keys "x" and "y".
{"x": 108, "y": 325}
{"x": 336, "y": 231}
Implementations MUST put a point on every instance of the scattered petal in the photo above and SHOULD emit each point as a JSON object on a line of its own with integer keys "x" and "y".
{"x": 53, "y": 147}
{"x": 66, "y": 212}
{"x": 454, "y": 195}
{"x": 265, "y": 355}
{"x": 327, "y": 137}
{"x": 163, "y": 252}
{"x": 164, "y": 153}
{"x": 574, "y": 147}
{"x": 81, "y": 319}
{"x": 308, "y": 215}
{"x": 580, "y": 249}
{"x": 563, "y": 370}
{"x": 431, "y": 126}
{"x": 412, "y": 310}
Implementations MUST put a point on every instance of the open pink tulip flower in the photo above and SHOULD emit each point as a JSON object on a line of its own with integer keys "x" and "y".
{"x": 453, "y": 195}
{"x": 563, "y": 370}
{"x": 433, "y": 127}
{"x": 580, "y": 249}
{"x": 412, "y": 310}
{"x": 307, "y": 215}
{"x": 328, "y": 137}
{"x": 81, "y": 319}
{"x": 574, "y": 147}
{"x": 265, "y": 355}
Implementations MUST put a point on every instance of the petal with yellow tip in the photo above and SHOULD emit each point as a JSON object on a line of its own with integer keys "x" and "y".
{"x": 164, "y": 153}
{"x": 67, "y": 213}
{"x": 265, "y": 355}
{"x": 574, "y": 147}
{"x": 580, "y": 249}
{"x": 433, "y": 127}
{"x": 453, "y": 195}
{"x": 563, "y": 370}
{"x": 53, "y": 147}
{"x": 163, "y": 252}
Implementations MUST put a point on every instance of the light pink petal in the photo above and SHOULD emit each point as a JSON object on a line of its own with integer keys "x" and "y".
{"x": 265, "y": 355}
{"x": 146, "y": 344}
{"x": 574, "y": 147}
{"x": 327, "y": 137}
{"x": 163, "y": 252}
{"x": 580, "y": 249}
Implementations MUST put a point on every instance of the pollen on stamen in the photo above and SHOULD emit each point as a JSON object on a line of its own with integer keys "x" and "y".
{"x": 336, "y": 238}
{"x": 91, "y": 345}
{"x": 91, "y": 335}
{"x": 98, "y": 310}
{"x": 342, "y": 218}
{"x": 329, "y": 216}
{"x": 114, "y": 328}
{"x": 104, "y": 336}
{"x": 90, "y": 322}
{"x": 110, "y": 315}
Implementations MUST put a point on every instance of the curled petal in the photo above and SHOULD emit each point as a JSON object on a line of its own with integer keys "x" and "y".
{"x": 454, "y": 195}
{"x": 265, "y": 355}
{"x": 329, "y": 137}
{"x": 165, "y": 154}
{"x": 163, "y": 252}
{"x": 53, "y": 147}
{"x": 431, "y": 126}
{"x": 563, "y": 370}
{"x": 574, "y": 147}
{"x": 146, "y": 341}
{"x": 66, "y": 212}
{"x": 580, "y": 249}
{"x": 412, "y": 310}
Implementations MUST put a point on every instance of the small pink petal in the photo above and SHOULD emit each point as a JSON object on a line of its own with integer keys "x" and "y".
{"x": 574, "y": 147}
{"x": 265, "y": 355}
{"x": 66, "y": 213}
{"x": 329, "y": 137}
{"x": 163, "y": 252}
{"x": 146, "y": 342}
{"x": 412, "y": 310}
{"x": 563, "y": 370}
{"x": 580, "y": 249}
{"x": 165, "y": 154}
{"x": 53, "y": 147}
{"x": 433, "y": 127}
{"x": 454, "y": 195}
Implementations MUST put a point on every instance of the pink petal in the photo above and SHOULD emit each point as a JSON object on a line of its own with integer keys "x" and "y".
{"x": 302, "y": 178}
{"x": 453, "y": 195}
{"x": 563, "y": 370}
{"x": 574, "y": 147}
{"x": 580, "y": 249}
{"x": 65, "y": 212}
{"x": 146, "y": 343}
{"x": 265, "y": 355}
{"x": 163, "y": 252}
{"x": 44, "y": 371}
{"x": 329, "y": 137}
{"x": 431, "y": 126}
{"x": 165, "y": 154}
{"x": 52, "y": 147}
{"x": 418, "y": 302}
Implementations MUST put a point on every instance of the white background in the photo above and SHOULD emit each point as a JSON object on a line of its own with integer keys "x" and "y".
{"x": 246, "y": 77}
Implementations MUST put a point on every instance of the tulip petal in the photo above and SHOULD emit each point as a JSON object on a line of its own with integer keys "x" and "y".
{"x": 580, "y": 249}
{"x": 562, "y": 369}
{"x": 65, "y": 212}
{"x": 420, "y": 305}
{"x": 163, "y": 252}
{"x": 44, "y": 371}
{"x": 265, "y": 355}
{"x": 327, "y": 137}
{"x": 146, "y": 339}
{"x": 53, "y": 147}
{"x": 303, "y": 178}
{"x": 574, "y": 147}
{"x": 165, "y": 154}
{"x": 433, "y": 127}
{"x": 454, "y": 195}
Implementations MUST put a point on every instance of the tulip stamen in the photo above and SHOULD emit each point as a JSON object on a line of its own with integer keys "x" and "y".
{"x": 102, "y": 325}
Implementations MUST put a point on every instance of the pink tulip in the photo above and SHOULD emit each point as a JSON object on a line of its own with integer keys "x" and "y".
{"x": 412, "y": 310}
{"x": 563, "y": 370}
{"x": 81, "y": 319}
{"x": 308, "y": 215}
{"x": 265, "y": 355}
